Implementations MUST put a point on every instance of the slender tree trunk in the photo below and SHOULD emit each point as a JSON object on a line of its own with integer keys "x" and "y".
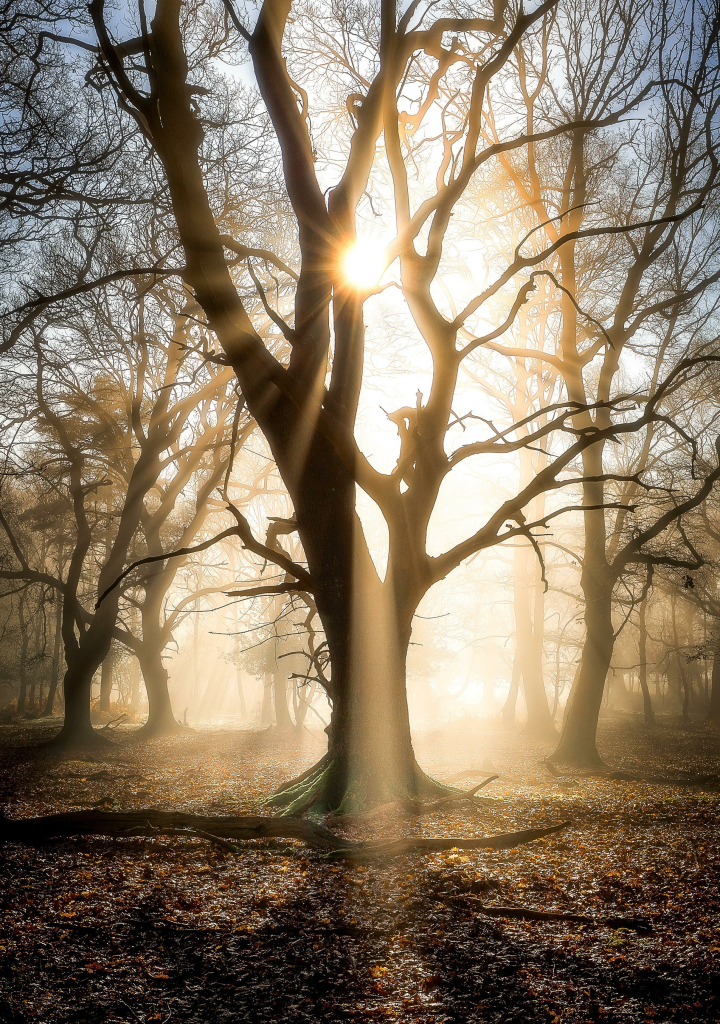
{"x": 713, "y": 714}
{"x": 106, "y": 681}
{"x": 36, "y": 678}
{"x": 642, "y": 650}
{"x": 578, "y": 740}
{"x": 529, "y": 634}
{"x": 539, "y": 724}
{"x": 238, "y": 666}
{"x": 134, "y": 684}
{"x": 266, "y": 710}
{"x": 57, "y": 655}
{"x": 302, "y": 702}
{"x": 556, "y": 695}
{"x": 134, "y": 663}
{"x": 508, "y": 711}
{"x": 195, "y": 677}
{"x": 282, "y": 712}
{"x": 241, "y": 692}
{"x": 682, "y": 673}
{"x": 84, "y": 656}
{"x": 24, "y": 640}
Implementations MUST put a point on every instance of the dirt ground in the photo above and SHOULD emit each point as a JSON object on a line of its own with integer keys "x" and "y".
{"x": 176, "y": 929}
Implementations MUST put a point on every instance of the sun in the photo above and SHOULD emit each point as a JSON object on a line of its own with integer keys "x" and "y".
{"x": 362, "y": 264}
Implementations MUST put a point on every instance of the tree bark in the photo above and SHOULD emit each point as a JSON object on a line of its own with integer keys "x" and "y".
{"x": 578, "y": 741}
{"x": 161, "y": 720}
{"x": 57, "y": 655}
{"x": 539, "y": 723}
{"x": 370, "y": 758}
{"x": 642, "y": 650}
{"x": 266, "y": 709}
{"x": 24, "y": 640}
{"x": 508, "y": 712}
{"x": 84, "y": 655}
{"x": 151, "y": 822}
{"x": 106, "y": 681}
{"x": 282, "y": 712}
{"x": 578, "y": 737}
{"x": 713, "y": 714}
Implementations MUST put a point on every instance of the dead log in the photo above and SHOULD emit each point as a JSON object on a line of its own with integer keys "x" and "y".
{"x": 152, "y": 822}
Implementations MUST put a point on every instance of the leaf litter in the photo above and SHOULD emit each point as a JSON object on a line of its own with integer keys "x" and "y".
{"x": 181, "y": 929}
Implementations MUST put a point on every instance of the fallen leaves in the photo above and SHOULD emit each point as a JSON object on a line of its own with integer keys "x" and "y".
{"x": 176, "y": 930}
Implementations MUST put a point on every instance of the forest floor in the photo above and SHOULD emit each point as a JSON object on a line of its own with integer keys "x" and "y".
{"x": 174, "y": 929}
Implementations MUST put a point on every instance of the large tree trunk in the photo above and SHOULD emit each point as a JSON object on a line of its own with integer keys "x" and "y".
{"x": 83, "y": 659}
{"x": 161, "y": 720}
{"x": 77, "y": 730}
{"x": 370, "y": 758}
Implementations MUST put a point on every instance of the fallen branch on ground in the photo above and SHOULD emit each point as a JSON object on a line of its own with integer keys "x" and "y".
{"x": 151, "y": 823}
{"x": 527, "y": 914}
{"x": 622, "y": 776}
{"x": 113, "y": 722}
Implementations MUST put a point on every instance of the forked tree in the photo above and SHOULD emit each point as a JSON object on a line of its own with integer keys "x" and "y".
{"x": 307, "y": 405}
{"x": 639, "y": 291}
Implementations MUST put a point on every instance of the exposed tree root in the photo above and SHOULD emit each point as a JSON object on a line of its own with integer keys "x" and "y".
{"x": 84, "y": 739}
{"x": 527, "y": 914}
{"x": 329, "y": 788}
{"x": 156, "y": 730}
{"x": 414, "y": 808}
{"x": 151, "y": 823}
